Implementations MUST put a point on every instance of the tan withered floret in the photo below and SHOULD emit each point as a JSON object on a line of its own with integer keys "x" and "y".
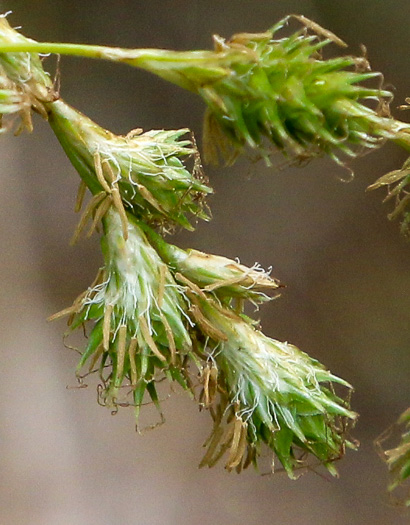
{"x": 209, "y": 381}
{"x": 398, "y": 186}
{"x": 101, "y": 202}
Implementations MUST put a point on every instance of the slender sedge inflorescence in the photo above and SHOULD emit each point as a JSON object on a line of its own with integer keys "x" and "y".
{"x": 158, "y": 311}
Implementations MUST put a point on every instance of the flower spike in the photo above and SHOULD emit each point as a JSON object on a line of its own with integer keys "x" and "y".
{"x": 142, "y": 173}
{"x": 136, "y": 307}
{"x": 267, "y": 392}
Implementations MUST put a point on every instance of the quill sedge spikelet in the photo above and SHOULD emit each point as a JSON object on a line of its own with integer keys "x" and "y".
{"x": 139, "y": 325}
{"x": 143, "y": 173}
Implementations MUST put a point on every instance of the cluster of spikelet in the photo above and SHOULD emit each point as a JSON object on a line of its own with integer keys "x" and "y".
{"x": 157, "y": 311}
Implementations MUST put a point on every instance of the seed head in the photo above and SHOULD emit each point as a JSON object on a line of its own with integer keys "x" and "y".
{"x": 143, "y": 170}
{"x": 137, "y": 310}
{"x": 268, "y": 93}
{"x": 270, "y": 392}
{"x": 281, "y": 93}
{"x": 261, "y": 391}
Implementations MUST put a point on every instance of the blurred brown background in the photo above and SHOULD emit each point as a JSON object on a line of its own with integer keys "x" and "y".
{"x": 65, "y": 460}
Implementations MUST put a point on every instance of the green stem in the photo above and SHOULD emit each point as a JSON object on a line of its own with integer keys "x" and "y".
{"x": 162, "y": 62}
{"x": 51, "y": 47}
{"x": 105, "y": 52}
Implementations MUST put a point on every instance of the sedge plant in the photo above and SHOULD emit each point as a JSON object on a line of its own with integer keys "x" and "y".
{"x": 157, "y": 311}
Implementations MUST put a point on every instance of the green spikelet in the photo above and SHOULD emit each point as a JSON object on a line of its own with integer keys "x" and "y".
{"x": 145, "y": 170}
{"x": 225, "y": 278}
{"x": 284, "y": 95}
{"x": 267, "y": 392}
{"x": 139, "y": 326}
